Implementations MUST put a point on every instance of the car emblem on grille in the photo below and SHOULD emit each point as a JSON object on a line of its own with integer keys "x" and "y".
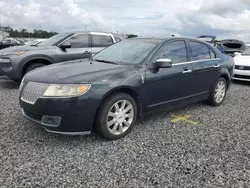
{"x": 241, "y": 67}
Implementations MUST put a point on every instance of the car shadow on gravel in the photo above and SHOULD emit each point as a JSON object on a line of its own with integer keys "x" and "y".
{"x": 8, "y": 84}
{"x": 45, "y": 137}
{"x": 243, "y": 83}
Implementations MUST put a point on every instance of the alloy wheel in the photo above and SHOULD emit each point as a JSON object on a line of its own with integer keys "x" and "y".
{"x": 120, "y": 117}
{"x": 220, "y": 92}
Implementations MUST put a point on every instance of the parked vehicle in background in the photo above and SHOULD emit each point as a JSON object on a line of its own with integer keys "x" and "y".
{"x": 122, "y": 82}
{"x": 227, "y": 46}
{"x": 242, "y": 66}
{"x": 231, "y": 46}
{"x": 8, "y": 42}
{"x": 15, "y": 62}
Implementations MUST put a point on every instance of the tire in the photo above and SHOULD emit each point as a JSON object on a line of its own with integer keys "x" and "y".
{"x": 217, "y": 101}
{"x": 108, "y": 123}
{"x": 33, "y": 66}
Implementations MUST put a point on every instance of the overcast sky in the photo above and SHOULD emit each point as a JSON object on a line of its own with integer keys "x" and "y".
{"x": 224, "y": 18}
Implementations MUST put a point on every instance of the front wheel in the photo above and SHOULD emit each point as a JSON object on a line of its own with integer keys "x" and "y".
{"x": 116, "y": 116}
{"x": 218, "y": 92}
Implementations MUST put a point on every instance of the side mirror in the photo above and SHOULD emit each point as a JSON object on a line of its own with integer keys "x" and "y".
{"x": 65, "y": 45}
{"x": 163, "y": 63}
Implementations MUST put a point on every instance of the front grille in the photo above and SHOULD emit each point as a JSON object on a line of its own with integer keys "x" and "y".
{"x": 33, "y": 91}
{"x": 239, "y": 67}
{"x": 241, "y": 76}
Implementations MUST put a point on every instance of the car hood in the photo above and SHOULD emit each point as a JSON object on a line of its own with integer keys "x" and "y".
{"x": 76, "y": 71}
{"x": 9, "y": 50}
{"x": 242, "y": 60}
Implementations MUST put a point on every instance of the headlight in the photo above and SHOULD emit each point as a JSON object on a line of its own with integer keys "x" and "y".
{"x": 15, "y": 53}
{"x": 67, "y": 90}
{"x": 4, "y": 60}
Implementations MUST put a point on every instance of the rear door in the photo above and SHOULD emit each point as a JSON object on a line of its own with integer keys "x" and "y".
{"x": 80, "y": 48}
{"x": 100, "y": 41}
{"x": 206, "y": 66}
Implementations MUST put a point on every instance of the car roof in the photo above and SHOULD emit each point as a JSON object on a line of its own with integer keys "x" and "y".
{"x": 158, "y": 40}
{"x": 88, "y": 32}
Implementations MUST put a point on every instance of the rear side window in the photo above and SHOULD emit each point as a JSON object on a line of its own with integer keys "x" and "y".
{"x": 176, "y": 51}
{"x": 200, "y": 51}
{"x": 79, "y": 41}
{"x": 101, "y": 41}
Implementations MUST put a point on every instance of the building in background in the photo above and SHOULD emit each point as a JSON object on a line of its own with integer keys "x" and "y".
{"x": 3, "y": 34}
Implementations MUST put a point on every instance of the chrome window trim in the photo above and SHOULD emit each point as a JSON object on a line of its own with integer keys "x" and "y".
{"x": 197, "y": 61}
{"x": 97, "y": 33}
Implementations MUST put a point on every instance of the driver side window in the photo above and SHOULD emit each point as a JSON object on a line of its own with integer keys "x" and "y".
{"x": 176, "y": 51}
{"x": 79, "y": 41}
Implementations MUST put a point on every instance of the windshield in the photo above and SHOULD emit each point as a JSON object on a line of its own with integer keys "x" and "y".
{"x": 246, "y": 52}
{"x": 128, "y": 52}
{"x": 52, "y": 40}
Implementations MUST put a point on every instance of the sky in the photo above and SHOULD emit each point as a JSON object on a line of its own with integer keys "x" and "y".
{"x": 147, "y": 18}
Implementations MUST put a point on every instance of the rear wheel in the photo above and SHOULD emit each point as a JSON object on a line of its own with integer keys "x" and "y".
{"x": 218, "y": 92}
{"x": 116, "y": 116}
{"x": 33, "y": 66}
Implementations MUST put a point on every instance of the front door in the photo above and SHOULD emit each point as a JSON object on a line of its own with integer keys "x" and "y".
{"x": 79, "y": 48}
{"x": 169, "y": 87}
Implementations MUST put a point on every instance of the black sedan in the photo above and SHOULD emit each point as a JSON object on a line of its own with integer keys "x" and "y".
{"x": 123, "y": 82}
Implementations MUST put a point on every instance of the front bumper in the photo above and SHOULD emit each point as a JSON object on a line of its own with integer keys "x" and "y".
{"x": 10, "y": 69}
{"x": 243, "y": 75}
{"x": 5, "y": 68}
{"x": 73, "y": 116}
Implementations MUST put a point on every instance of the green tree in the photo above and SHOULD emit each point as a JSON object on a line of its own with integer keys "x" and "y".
{"x": 24, "y": 33}
{"x": 132, "y": 36}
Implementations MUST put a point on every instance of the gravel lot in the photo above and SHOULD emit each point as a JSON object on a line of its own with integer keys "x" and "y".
{"x": 158, "y": 153}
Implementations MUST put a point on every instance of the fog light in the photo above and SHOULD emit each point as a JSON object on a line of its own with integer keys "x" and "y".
{"x": 51, "y": 121}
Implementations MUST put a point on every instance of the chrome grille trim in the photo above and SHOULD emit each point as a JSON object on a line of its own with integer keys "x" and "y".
{"x": 33, "y": 91}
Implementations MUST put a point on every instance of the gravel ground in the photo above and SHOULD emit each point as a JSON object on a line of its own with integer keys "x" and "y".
{"x": 157, "y": 153}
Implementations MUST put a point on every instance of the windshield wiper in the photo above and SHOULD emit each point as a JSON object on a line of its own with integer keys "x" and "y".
{"x": 104, "y": 61}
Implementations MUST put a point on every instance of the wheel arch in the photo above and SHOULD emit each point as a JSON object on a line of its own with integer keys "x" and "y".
{"x": 226, "y": 76}
{"x": 123, "y": 89}
{"x": 28, "y": 62}
{"x": 31, "y": 59}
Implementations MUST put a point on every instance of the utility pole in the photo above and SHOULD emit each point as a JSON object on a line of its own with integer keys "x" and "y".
{"x": 86, "y": 27}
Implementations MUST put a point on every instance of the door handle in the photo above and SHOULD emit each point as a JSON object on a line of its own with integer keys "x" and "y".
{"x": 187, "y": 71}
{"x": 216, "y": 66}
{"x": 86, "y": 52}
